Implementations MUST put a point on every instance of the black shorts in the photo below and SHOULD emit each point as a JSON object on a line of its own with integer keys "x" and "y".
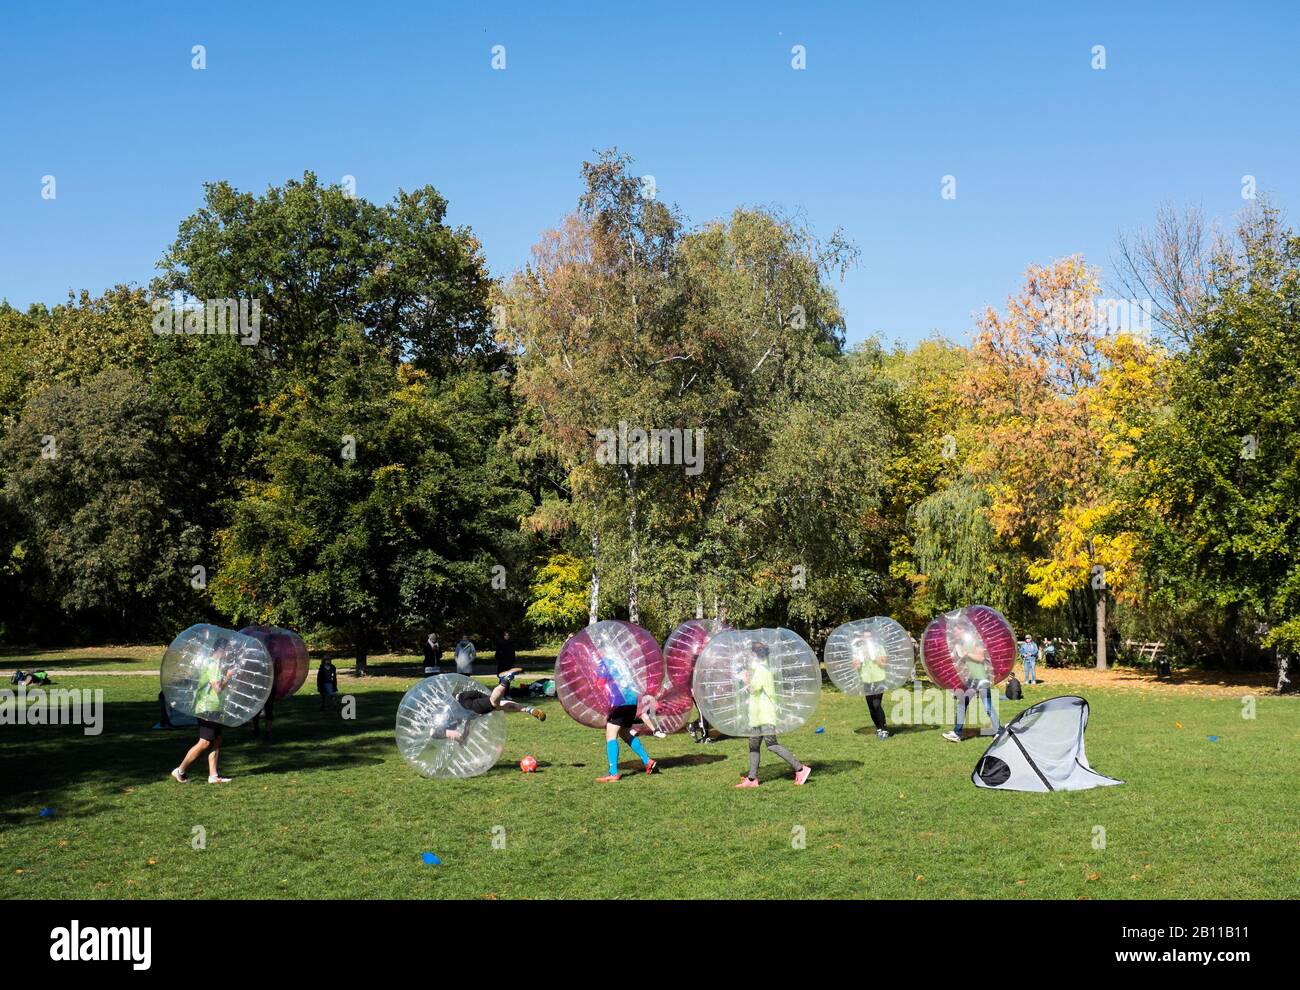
{"x": 475, "y": 701}
{"x": 211, "y": 731}
{"x": 623, "y": 716}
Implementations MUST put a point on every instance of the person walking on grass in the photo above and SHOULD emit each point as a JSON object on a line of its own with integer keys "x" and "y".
{"x": 1029, "y": 657}
{"x": 327, "y": 683}
{"x": 627, "y": 708}
{"x": 761, "y": 685}
{"x": 869, "y": 658}
{"x": 207, "y": 701}
{"x": 979, "y": 671}
{"x": 465, "y": 655}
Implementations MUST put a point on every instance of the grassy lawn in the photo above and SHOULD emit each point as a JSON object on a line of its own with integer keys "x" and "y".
{"x": 331, "y": 810}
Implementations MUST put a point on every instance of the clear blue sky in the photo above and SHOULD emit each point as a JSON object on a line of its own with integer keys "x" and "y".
{"x": 1051, "y": 156}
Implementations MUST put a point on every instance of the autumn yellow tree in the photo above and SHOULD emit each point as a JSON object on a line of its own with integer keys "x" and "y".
{"x": 1060, "y": 399}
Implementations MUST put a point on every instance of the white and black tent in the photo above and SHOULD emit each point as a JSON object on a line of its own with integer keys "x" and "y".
{"x": 1041, "y": 749}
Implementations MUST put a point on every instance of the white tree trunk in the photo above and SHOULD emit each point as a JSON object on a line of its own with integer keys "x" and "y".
{"x": 634, "y": 556}
{"x": 1101, "y": 629}
{"x": 593, "y": 607}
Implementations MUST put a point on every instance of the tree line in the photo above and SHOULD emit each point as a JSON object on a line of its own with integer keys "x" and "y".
{"x": 652, "y": 420}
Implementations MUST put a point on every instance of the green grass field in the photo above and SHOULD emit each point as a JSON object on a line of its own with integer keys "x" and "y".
{"x": 331, "y": 810}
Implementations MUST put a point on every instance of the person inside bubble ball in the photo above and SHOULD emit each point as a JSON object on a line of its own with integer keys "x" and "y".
{"x": 760, "y": 685}
{"x": 477, "y": 703}
{"x": 207, "y": 701}
{"x": 869, "y": 661}
{"x": 979, "y": 679}
{"x": 627, "y": 708}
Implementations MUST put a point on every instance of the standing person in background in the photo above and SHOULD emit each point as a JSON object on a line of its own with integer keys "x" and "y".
{"x": 465, "y": 655}
{"x": 327, "y": 683}
{"x": 432, "y": 655}
{"x": 1029, "y": 657}
{"x": 1049, "y": 653}
{"x": 505, "y": 654}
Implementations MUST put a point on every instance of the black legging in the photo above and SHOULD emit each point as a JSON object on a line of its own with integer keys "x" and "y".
{"x": 877, "y": 710}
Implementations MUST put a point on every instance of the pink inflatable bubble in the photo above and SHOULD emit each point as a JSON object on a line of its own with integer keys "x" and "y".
{"x": 972, "y": 644}
{"x": 288, "y": 654}
{"x": 606, "y": 665}
{"x": 681, "y": 649}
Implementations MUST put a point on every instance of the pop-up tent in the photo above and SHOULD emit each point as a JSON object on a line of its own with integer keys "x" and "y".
{"x": 1041, "y": 749}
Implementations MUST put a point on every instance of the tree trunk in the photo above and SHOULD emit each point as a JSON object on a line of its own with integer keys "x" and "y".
{"x": 361, "y": 651}
{"x": 699, "y": 604}
{"x": 1101, "y": 629}
{"x": 1282, "y": 679}
{"x": 634, "y": 557}
{"x": 593, "y": 607}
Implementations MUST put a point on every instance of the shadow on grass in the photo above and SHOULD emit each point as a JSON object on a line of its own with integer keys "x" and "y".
{"x": 62, "y": 767}
{"x": 898, "y": 730}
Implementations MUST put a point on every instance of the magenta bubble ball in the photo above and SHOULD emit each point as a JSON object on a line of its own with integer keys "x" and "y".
{"x": 682, "y": 649}
{"x": 963, "y": 647}
{"x": 288, "y": 654}
{"x": 608, "y": 664}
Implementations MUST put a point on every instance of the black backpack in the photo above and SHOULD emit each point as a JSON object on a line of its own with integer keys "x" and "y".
{"x": 1013, "y": 689}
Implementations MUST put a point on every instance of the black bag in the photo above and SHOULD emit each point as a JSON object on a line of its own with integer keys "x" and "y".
{"x": 1014, "y": 692}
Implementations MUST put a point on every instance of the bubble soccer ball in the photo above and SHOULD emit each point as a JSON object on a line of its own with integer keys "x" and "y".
{"x": 960, "y": 649}
{"x": 528, "y": 764}
{"x": 870, "y": 656}
{"x": 746, "y": 679}
{"x": 217, "y": 675}
{"x": 682, "y": 649}
{"x": 288, "y": 656}
{"x": 438, "y": 736}
{"x": 604, "y": 666}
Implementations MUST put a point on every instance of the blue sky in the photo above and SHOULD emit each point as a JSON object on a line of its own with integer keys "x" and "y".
{"x": 1051, "y": 157}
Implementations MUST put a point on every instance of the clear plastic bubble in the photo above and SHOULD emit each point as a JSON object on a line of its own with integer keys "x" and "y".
{"x": 440, "y": 737}
{"x": 604, "y": 666}
{"x": 746, "y": 679}
{"x": 682, "y": 649}
{"x": 288, "y": 656}
{"x": 217, "y": 675}
{"x": 969, "y": 646}
{"x": 870, "y": 656}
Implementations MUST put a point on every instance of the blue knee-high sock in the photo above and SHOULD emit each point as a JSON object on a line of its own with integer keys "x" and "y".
{"x": 611, "y": 754}
{"x": 639, "y": 750}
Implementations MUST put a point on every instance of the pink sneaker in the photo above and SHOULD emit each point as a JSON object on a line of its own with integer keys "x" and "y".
{"x": 802, "y": 774}
{"x": 747, "y": 782}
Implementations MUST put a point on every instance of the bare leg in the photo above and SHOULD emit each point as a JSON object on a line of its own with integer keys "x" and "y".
{"x": 195, "y": 752}
{"x": 214, "y": 755}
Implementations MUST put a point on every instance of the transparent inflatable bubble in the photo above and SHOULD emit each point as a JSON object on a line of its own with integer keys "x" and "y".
{"x": 967, "y": 647}
{"x": 604, "y": 666}
{"x": 749, "y": 678}
{"x": 288, "y": 656}
{"x": 440, "y": 737}
{"x": 682, "y": 649}
{"x": 217, "y": 675}
{"x": 870, "y": 656}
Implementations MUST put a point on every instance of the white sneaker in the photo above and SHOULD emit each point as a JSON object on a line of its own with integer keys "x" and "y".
{"x": 218, "y": 779}
{"x": 180, "y": 777}
{"x": 952, "y": 736}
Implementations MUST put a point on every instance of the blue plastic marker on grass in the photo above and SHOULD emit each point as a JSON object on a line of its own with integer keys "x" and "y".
{"x": 821, "y": 729}
{"x": 47, "y": 812}
{"x": 431, "y": 860}
{"x": 1214, "y": 738}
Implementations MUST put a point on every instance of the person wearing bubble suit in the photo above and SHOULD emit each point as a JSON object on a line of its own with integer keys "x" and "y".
{"x": 478, "y": 703}
{"x": 956, "y": 653}
{"x": 449, "y": 727}
{"x": 870, "y": 657}
{"x": 213, "y": 670}
{"x": 627, "y": 707}
{"x": 760, "y": 686}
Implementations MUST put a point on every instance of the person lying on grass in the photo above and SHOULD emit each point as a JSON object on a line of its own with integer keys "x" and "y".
{"x": 761, "y": 685}
{"x": 207, "y": 701}
{"x": 627, "y": 707}
{"x": 478, "y": 703}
